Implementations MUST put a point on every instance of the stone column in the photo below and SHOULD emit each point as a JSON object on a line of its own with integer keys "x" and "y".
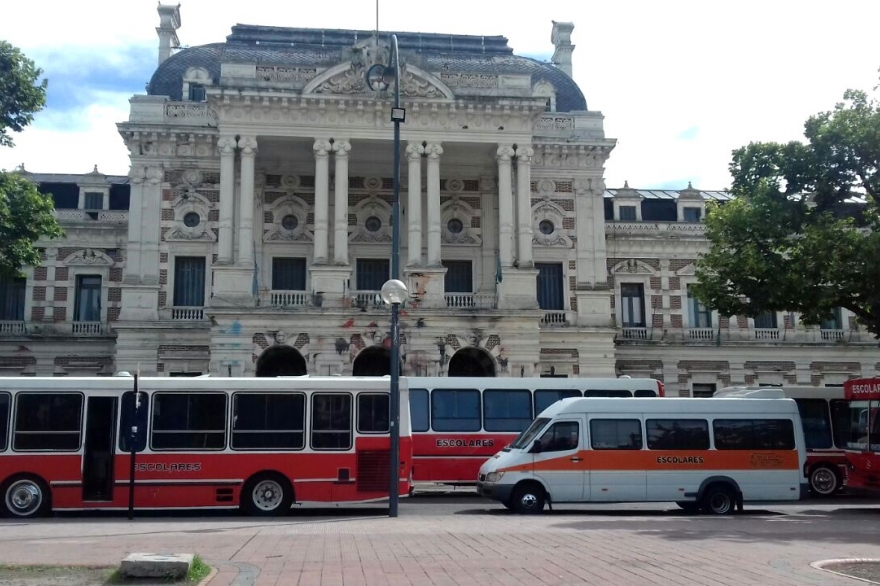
{"x": 414, "y": 153}
{"x": 226, "y": 146}
{"x": 151, "y": 225}
{"x": 524, "y": 205}
{"x": 137, "y": 174}
{"x": 340, "y": 215}
{"x": 505, "y": 206}
{"x": 248, "y": 146}
{"x": 322, "y": 180}
{"x": 434, "y": 151}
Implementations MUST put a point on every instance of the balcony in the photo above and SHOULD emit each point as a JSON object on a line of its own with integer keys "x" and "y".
{"x": 87, "y": 328}
{"x": 833, "y": 335}
{"x": 285, "y": 299}
{"x": 658, "y": 229}
{"x": 701, "y": 334}
{"x": 187, "y": 313}
{"x": 471, "y": 300}
{"x": 12, "y": 328}
{"x": 554, "y": 318}
{"x": 365, "y": 300}
{"x": 756, "y": 336}
{"x": 108, "y": 217}
{"x": 635, "y": 334}
{"x": 766, "y": 333}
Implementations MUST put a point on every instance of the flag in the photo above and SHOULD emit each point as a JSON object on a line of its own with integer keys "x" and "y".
{"x": 498, "y": 274}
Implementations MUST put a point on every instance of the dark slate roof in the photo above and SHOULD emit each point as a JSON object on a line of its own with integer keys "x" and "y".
{"x": 267, "y": 45}
{"x": 73, "y": 178}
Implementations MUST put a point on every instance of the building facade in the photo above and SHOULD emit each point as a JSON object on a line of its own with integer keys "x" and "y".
{"x": 253, "y": 231}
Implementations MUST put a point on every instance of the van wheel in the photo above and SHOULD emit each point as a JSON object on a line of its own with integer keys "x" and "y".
{"x": 689, "y": 507}
{"x": 25, "y": 497}
{"x": 824, "y": 481}
{"x": 267, "y": 495}
{"x": 718, "y": 499}
{"x": 528, "y": 499}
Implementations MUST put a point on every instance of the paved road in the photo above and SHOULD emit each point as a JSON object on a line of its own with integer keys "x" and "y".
{"x": 455, "y": 540}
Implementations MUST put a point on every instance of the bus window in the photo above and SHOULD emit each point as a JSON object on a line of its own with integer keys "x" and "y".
{"x": 545, "y": 398}
{"x": 455, "y": 410}
{"x": 562, "y": 435}
{"x": 418, "y": 409}
{"x": 373, "y": 413}
{"x": 125, "y": 422}
{"x": 677, "y": 434}
{"x": 189, "y": 421}
{"x": 47, "y": 421}
{"x": 616, "y": 434}
{"x": 601, "y": 393}
{"x": 840, "y": 422}
{"x": 645, "y": 393}
{"x": 506, "y": 410}
{"x": 268, "y": 421}
{"x": 753, "y": 434}
{"x": 4, "y": 420}
{"x": 816, "y": 422}
{"x": 331, "y": 422}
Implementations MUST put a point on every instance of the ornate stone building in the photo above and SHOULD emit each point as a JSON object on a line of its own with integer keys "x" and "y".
{"x": 254, "y": 230}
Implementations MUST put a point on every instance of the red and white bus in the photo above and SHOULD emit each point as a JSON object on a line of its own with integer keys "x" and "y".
{"x": 825, "y": 416}
{"x": 863, "y": 445}
{"x": 260, "y": 444}
{"x": 457, "y": 423}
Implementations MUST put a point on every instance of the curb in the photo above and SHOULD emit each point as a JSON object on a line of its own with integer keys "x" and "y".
{"x": 209, "y": 577}
{"x": 820, "y": 565}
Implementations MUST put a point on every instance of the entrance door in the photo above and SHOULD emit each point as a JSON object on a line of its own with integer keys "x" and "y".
{"x": 98, "y": 452}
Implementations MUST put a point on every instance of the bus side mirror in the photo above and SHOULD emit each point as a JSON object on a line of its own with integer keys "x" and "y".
{"x": 537, "y": 447}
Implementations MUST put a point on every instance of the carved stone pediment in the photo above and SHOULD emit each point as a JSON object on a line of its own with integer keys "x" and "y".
{"x": 88, "y": 257}
{"x": 632, "y": 266}
{"x": 186, "y": 235}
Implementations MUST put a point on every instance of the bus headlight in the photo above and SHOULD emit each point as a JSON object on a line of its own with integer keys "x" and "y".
{"x": 494, "y": 476}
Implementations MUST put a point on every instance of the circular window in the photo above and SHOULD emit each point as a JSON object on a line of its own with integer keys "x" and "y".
{"x": 192, "y": 219}
{"x": 373, "y": 224}
{"x": 289, "y": 222}
{"x": 455, "y": 226}
{"x": 546, "y": 227}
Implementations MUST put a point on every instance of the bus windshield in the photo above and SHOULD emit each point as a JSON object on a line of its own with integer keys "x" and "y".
{"x": 526, "y": 437}
{"x": 864, "y": 426}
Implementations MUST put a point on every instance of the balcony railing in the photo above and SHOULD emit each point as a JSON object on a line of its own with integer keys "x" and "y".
{"x": 367, "y": 299}
{"x": 12, "y": 328}
{"x": 87, "y": 328}
{"x": 832, "y": 335}
{"x": 187, "y": 313}
{"x": 647, "y": 228}
{"x": 471, "y": 300}
{"x": 701, "y": 334}
{"x": 766, "y": 333}
{"x": 287, "y": 299}
{"x": 554, "y": 317}
{"x": 635, "y": 334}
{"x": 98, "y": 216}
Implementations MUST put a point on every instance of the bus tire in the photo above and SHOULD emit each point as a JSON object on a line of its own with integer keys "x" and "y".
{"x": 528, "y": 498}
{"x": 690, "y": 507}
{"x": 824, "y": 480}
{"x": 25, "y": 497}
{"x": 267, "y": 494}
{"x": 718, "y": 499}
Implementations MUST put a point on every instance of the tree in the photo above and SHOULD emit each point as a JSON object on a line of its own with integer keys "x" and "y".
{"x": 803, "y": 233}
{"x": 25, "y": 213}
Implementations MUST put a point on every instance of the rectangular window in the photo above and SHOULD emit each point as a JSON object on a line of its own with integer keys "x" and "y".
{"x": 372, "y": 273}
{"x": 506, "y": 410}
{"x": 268, "y": 421}
{"x": 840, "y": 419}
{"x": 459, "y": 276}
{"x": 766, "y": 320}
{"x": 189, "y": 421}
{"x": 127, "y": 420}
{"x": 562, "y": 436}
{"x": 703, "y": 390}
{"x": 45, "y": 421}
{"x": 835, "y": 322}
{"x": 603, "y": 393}
{"x": 692, "y": 215}
{"x": 5, "y": 401}
{"x": 700, "y": 315}
{"x": 196, "y": 92}
{"x": 88, "y": 298}
{"x": 545, "y": 398}
{"x": 616, "y": 434}
{"x": 331, "y": 422}
{"x": 189, "y": 281}
{"x": 644, "y": 393}
{"x": 418, "y": 409}
{"x": 753, "y": 434}
{"x": 374, "y": 412}
{"x": 288, "y": 274}
{"x": 93, "y": 201}
{"x": 817, "y": 423}
{"x": 627, "y": 213}
{"x": 455, "y": 410}
{"x": 677, "y": 434}
{"x": 632, "y": 305}
{"x": 551, "y": 293}
{"x": 12, "y": 294}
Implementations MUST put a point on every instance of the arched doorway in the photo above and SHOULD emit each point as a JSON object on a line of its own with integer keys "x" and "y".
{"x": 471, "y": 362}
{"x": 281, "y": 361}
{"x": 372, "y": 361}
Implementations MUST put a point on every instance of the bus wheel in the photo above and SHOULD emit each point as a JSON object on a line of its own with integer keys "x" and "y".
{"x": 824, "y": 481}
{"x": 266, "y": 495}
{"x": 718, "y": 499}
{"x": 25, "y": 497}
{"x": 528, "y": 499}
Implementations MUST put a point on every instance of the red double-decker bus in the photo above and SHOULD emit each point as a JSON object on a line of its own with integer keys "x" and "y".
{"x": 863, "y": 445}
{"x": 259, "y": 444}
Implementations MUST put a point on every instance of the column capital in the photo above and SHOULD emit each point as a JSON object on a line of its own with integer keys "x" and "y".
{"x": 226, "y": 145}
{"x": 434, "y": 150}
{"x": 588, "y": 185}
{"x": 341, "y": 148}
{"x": 322, "y": 147}
{"x": 248, "y": 145}
{"x": 504, "y": 153}
{"x": 414, "y": 151}
{"x": 155, "y": 175}
{"x": 137, "y": 174}
{"x": 524, "y": 154}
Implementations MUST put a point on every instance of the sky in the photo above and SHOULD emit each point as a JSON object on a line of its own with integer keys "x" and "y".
{"x": 681, "y": 83}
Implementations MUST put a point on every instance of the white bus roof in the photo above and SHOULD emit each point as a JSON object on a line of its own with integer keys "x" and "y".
{"x": 605, "y": 384}
{"x": 673, "y": 407}
{"x": 791, "y": 392}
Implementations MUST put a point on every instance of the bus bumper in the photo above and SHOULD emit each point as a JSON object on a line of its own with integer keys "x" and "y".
{"x": 495, "y": 491}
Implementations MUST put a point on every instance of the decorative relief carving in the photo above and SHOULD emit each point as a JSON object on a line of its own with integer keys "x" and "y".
{"x": 548, "y": 214}
{"x": 190, "y": 110}
{"x": 454, "y": 185}
{"x": 296, "y": 230}
{"x": 286, "y": 74}
{"x": 632, "y": 266}
{"x": 193, "y": 177}
{"x": 88, "y": 257}
{"x": 469, "y": 80}
{"x": 373, "y": 208}
{"x": 571, "y": 157}
{"x": 554, "y": 123}
{"x": 457, "y": 214}
{"x": 546, "y": 186}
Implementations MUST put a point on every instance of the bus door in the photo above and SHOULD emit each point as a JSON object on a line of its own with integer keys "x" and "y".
{"x": 97, "y": 466}
{"x": 560, "y": 462}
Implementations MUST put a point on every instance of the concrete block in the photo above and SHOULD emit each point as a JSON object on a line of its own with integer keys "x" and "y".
{"x": 154, "y": 565}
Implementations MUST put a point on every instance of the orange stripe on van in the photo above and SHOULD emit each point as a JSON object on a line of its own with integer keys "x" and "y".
{"x": 654, "y": 460}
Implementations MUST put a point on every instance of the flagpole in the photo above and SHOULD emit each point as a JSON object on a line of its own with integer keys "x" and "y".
{"x": 132, "y": 444}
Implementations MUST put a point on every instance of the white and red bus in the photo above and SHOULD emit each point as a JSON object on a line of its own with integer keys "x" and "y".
{"x": 259, "y": 444}
{"x": 863, "y": 445}
{"x": 825, "y": 416}
{"x": 457, "y": 423}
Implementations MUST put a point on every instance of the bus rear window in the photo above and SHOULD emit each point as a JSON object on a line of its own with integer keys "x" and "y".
{"x": 268, "y": 421}
{"x": 46, "y": 421}
{"x": 4, "y": 420}
{"x": 455, "y": 410}
{"x": 753, "y": 434}
{"x": 604, "y": 393}
{"x": 418, "y": 409}
{"x": 645, "y": 393}
{"x": 817, "y": 423}
{"x": 506, "y": 410}
{"x": 189, "y": 421}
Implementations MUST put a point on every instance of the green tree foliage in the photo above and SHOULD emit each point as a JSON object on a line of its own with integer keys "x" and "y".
{"x": 25, "y": 213}
{"x": 793, "y": 240}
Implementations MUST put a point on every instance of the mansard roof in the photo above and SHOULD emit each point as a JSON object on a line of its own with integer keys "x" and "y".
{"x": 324, "y": 48}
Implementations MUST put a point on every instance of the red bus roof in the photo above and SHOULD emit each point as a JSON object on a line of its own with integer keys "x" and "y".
{"x": 862, "y": 389}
